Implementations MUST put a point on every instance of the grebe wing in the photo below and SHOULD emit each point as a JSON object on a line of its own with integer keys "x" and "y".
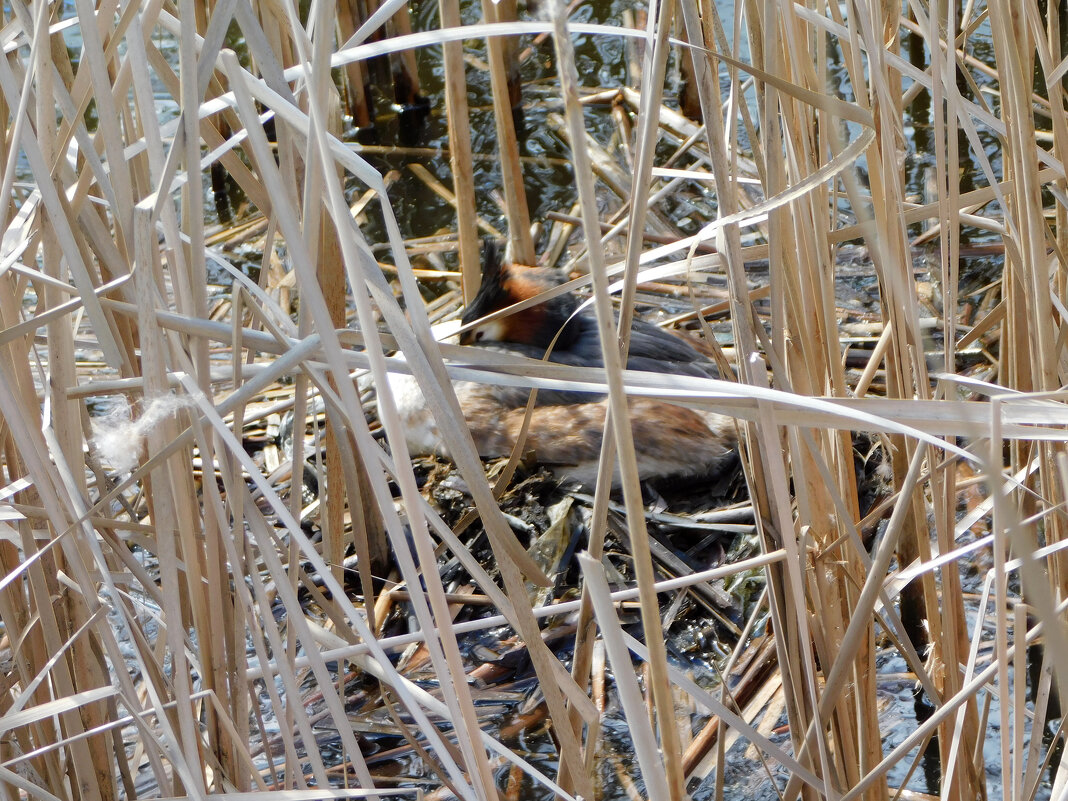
{"x": 652, "y": 349}
{"x": 659, "y": 351}
{"x": 509, "y": 397}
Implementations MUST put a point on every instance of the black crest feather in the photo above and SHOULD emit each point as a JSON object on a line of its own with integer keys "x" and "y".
{"x": 489, "y": 296}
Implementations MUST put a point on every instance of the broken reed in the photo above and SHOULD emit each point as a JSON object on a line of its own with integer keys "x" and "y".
{"x": 114, "y": 657}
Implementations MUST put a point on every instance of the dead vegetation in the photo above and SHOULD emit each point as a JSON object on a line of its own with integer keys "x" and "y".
{"x": 179, "y": 620}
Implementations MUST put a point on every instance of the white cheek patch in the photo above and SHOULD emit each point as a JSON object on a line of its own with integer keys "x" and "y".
{"x": 490, "y": 332}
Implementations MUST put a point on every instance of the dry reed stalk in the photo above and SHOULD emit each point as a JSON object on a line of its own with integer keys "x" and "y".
{"x": 656, "y": 53}
{"x": 360, "y": 105}
{"x": 515, "y": 198}
{"x": 803, "y": 310}
{"x": 460, "y": 152}
{"x": 112, "y": 245}
{"x": 661, "y": 771}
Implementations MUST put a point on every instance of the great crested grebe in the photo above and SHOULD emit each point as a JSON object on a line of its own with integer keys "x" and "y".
{"x": 567, "y": 427}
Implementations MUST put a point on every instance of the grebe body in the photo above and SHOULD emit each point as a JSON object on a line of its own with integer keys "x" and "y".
{"x": 567, "y": 427}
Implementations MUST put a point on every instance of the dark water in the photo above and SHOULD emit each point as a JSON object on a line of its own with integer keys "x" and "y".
{"x": 547, "y": 174}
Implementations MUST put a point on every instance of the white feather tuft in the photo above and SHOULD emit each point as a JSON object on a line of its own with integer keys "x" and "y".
{"x": 119, "y": 438}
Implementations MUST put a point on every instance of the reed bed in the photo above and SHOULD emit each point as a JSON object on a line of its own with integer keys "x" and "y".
{"x": 172, "y": 628}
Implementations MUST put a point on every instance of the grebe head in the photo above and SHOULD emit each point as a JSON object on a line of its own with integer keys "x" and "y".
{"x": 506, "y": 284}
